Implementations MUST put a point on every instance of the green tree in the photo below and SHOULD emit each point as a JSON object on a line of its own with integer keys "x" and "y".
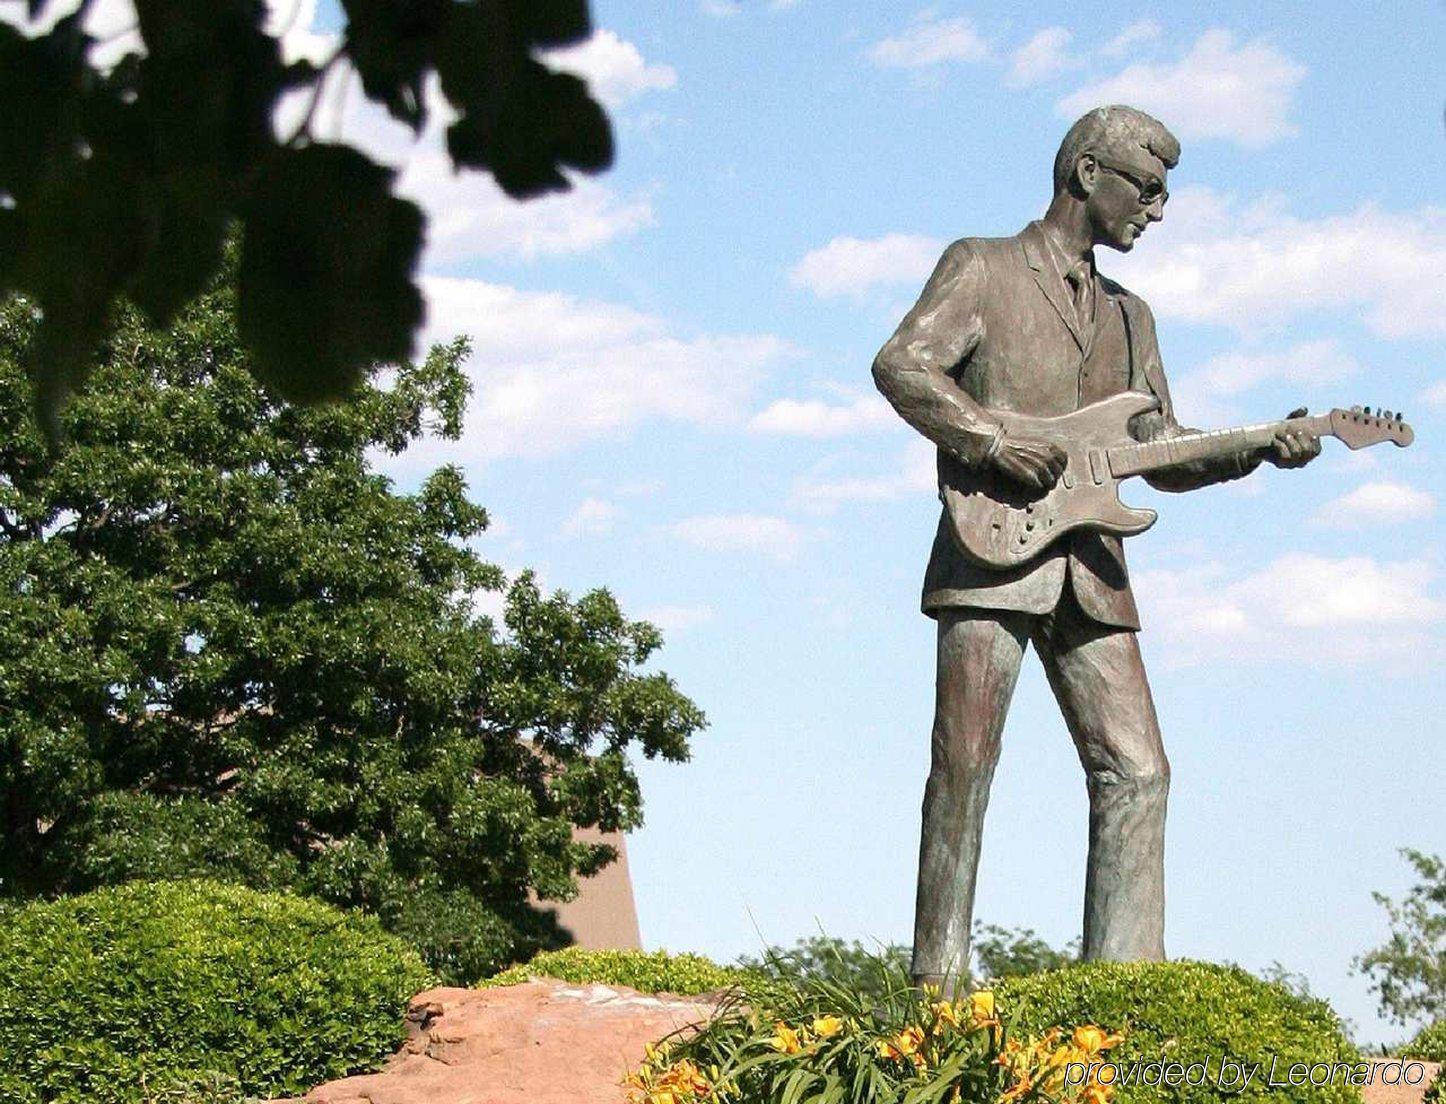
{"x": 228, "y": 647}
{"x": 1408, "y": 971}
{"x": 998, "y": 952}
{"x": 127, "y": 179}
{"x": 1011, "y": 952}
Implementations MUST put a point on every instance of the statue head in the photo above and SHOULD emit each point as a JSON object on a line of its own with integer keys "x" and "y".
{"x": 1114, "y": 162}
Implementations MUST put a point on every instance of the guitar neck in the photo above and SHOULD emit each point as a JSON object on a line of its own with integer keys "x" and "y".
{"x": 1150, "y": 456}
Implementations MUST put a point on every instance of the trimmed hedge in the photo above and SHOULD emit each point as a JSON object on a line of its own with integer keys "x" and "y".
{"x": 153, "y": 991}
{"x": 646, "y": 971}
{"x": 1429, "y": 1043}
{"x": 1190, "y": 1012}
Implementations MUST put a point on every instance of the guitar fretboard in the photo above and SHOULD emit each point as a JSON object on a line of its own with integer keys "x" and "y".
{"x": 1169, "y": 451}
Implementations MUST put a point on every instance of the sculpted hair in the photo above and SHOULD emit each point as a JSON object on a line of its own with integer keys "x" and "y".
{"x": 1113, "y": 130}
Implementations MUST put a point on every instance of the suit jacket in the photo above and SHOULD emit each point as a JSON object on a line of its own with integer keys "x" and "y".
{"x": 997, "y": 328}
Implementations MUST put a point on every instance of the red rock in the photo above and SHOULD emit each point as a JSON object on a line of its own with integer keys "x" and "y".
{"x": 1380, "y": 1091}
{"x": 545, "y": 1042}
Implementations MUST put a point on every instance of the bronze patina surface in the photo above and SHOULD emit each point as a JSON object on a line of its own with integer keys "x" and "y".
{"x": 1008, "y": 330}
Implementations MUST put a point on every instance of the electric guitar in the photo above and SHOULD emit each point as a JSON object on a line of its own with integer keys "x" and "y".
{"x": 1002, "y": 524}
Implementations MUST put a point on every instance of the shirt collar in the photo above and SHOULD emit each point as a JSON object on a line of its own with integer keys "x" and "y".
{"x": 1063, "y": 262}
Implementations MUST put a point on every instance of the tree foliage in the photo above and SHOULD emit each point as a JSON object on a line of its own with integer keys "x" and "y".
{"x": 127, "y": 179}
{"x": 228, "y": 647}
{"x": 1408, "y": 971}
{"x": 998, "y": 953}
{"x": 1013, "y": 952}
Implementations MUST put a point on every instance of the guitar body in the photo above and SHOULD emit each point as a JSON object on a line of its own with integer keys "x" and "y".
{"x": 1003, "y": 524}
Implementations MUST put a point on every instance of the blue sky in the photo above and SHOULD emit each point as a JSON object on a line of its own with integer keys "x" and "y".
{"x": 672, "y": 399}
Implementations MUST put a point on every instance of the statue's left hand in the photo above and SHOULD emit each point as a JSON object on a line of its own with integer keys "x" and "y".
{"x": 1293, "y": 448}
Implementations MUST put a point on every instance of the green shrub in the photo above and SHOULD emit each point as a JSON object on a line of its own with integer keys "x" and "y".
{"x": 645, "y": 971}
{"x": 1191, "y": 1012}
{"x": 1429, "y": 1043}
{"x": 192, "y": 990}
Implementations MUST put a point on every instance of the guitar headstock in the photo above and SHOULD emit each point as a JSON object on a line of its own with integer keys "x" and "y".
{"x": 1361, "y": 426}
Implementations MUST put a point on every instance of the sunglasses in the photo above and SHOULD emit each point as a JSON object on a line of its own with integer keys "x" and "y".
{"x": 1151, "y": 189}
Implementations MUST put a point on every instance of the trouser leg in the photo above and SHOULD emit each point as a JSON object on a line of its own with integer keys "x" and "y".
{"x": 979, "y": 657}
{"x": 1099, "y": 680}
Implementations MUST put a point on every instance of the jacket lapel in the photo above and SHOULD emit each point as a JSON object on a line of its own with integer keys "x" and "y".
{"x": 1050, "y": 280}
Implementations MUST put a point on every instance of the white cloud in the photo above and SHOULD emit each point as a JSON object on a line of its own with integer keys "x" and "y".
{"x": 552, "y": 371}
{"x": 851, "y": 266}
{"x": 776, "y": 538}
{"x": 1377, "y": 503}
{"x": 592, "y": 518}
{"x": 1214, "y": 259}
{"x": 676, "y": 620}
{"x": 1203, "y": 395}
{"x": 1435, "y": 394}
{"x": 1043, "y": 57}
{"x": 915, "y": 476}
{"x": 471, "y": 217}
{"x": 1218, "y": 90}
{"x": 1146, "y": 30}
{"x": 1299, "y": 608}
{"x": 724, "y": 9}
{"x": 930, "y": 41}
{"x": 1321, "y": 361}
{"x": 613, "y": 68}
{"x": 817, "y": 418}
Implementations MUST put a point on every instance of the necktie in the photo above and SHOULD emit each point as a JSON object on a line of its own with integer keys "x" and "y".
{"x": 1082, "y": 287}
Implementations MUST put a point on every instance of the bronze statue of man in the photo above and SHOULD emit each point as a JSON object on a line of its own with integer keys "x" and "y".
{"x": 1026, "y": 324}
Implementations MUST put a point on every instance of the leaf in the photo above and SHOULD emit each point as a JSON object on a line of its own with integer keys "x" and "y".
{"x": 518, "y": 118}
{"x": 41, "y": 81}
{"x": 549, "y": 22}
{"x": 392, "y": 45}
{"x": 325, "y": 288}
{"x": 208, "y": 84}
{"x": 186, "y": 237}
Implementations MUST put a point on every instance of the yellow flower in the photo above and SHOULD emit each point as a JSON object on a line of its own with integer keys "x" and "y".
{"x": 946, "y": 1012}
{"x": 1095, "y": 1093}
{"x": 909, "y": 1040}
{"x": 785, "y": 1039}
{"x": 981, "y": 1010}
{"x": 907, "y": 1044}
{"x": 1092, "y": 1039}
{"x": 826, "y": 1027}
{"x": 1016, "y": 1090}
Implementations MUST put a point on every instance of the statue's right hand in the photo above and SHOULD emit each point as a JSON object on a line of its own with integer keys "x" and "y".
{"x": 1032, "y": 461}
